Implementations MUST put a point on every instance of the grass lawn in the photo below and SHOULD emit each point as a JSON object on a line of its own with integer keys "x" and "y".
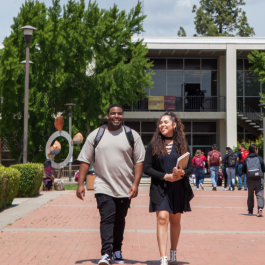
{"x": 70, "y": 186}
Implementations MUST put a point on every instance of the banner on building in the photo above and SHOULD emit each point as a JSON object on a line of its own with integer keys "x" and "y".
{"x": 156, "y": 103}
{"x": 169, "y": 102}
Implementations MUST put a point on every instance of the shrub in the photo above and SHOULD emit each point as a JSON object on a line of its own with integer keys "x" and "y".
{"x": 30, "y": 180}
{"x": 9, "y": 183}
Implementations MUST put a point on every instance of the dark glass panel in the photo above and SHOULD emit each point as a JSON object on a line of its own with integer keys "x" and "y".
{"x": 209, "y": 64}
{"x": 159, "y": 79}
{"x": 175, "y": 64}
{"x": 192, "y": 64}
{"x": 188, "y": 138}
{"x": 179, "y": 104}
{"x": 135, "y": 125}
{"x": 199, "y": 127}
{"x": 187, "y": 126}
{"x": 204, "y": 139}
{"x": 252, "y": 87}
{"x": 159, "y": 64}
{"x": 240, "y": 137}
{"x": 146, "y": 138}
{"x": 148, "y": 126}
{"x": 247, "y": 65}
{"x": 209, "y": 83}
{"x": 192, "y": 77}
{"x": 240, "y": 129}
{"x": 240, "y": 83}
{"x": 239, "y": 65}
{"x": 250, "y": 137}
{"x": 253, "y": 103}
{"x": 174, "y": 83}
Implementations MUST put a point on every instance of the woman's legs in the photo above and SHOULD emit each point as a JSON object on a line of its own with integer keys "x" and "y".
{"x": 197, "y": 174}
{"x": 175, "y": 228}
{"x": 202, "y": 176}
{"x": 229, "y": 177}
{"x": 162, "y": 226}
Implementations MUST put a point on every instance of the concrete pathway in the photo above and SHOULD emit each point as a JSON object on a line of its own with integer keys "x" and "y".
{"x": 57, "y": 228}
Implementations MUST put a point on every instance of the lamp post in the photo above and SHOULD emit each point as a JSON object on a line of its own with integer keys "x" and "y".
{"x": 24, "y": 63}
{"x": 28, "y": 31}
{"x": 263, "y": 105}
{"x": 70, "y": 105}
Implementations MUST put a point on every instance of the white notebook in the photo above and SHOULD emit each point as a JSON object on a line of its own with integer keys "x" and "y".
{"x": 183, "y": 160}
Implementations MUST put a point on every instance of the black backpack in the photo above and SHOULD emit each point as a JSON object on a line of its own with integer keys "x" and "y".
{"x": 253, "y": 168}
{"x": 101, "y": 131}
{"x": 231, "y": 161}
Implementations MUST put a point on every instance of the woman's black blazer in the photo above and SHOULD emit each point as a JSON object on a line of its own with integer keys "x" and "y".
{"x": 153, "y": 167}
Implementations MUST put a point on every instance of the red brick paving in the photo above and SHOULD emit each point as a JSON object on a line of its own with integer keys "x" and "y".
{"x": 221, "y": 246}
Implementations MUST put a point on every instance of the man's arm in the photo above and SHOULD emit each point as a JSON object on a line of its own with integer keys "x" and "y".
{"x": 83, "y": 169}
{"x": 139, "y": 167}
{"x": 208, "y": 161}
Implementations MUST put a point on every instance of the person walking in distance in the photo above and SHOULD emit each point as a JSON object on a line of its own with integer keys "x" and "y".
{"x": 241, "y": 155}
{"x": 198, "y": 164}
{"x": 224, "y": 168}
{"x": 119, "y": 153}
{"x": 253, "y": 167}
{"x": 170, "y": 191}
{"x": 214, "y": 159}
{"x": 230, "y": 162}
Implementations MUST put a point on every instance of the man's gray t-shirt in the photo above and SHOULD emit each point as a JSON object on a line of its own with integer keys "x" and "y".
{"x": 114, "y": 166}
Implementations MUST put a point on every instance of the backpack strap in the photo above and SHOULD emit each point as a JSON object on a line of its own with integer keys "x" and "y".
{"x": 129, "y": 135}
{"x": 99, "y": 135}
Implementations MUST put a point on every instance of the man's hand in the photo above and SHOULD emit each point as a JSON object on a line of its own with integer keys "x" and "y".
{"x": 133, "y": 192}
{"x": 80, "y": 192}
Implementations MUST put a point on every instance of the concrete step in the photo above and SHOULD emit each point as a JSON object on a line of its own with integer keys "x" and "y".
{"x": 252, "y": 123}
{"x": 256, "y": 126}
{"x": 248, "y": 121}
{"x": 240, "y": 114}
{"x": 260, "y": 129}
{"x": 244, "y": 118}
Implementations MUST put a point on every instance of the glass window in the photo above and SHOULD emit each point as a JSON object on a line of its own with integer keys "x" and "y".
{"x": 188, "y": 138}
{"x": 209, "y": 64}
{"x": 146, "y": 138}
{"x": 199, "y": 127}
{"x": 252, "y": 87}
{"x": 174, "y": 83}
{"x": 159, "y": 79}
{"x": 239, "y": 129}
{"x": 135, "y": 125}
{"x": 187, "y": 126}
{"x": 204, "y": 149}
{"x": 240, "y": 137}
{"x": 253, "y": 103}
{"x": 239, "y": 64}
{"x": 204, "y": 139}
{"x": 175, "y": 64}
{"x": 192, "y": 77}
{"x": 239, "y": 83}
{"x": 209, "y": 83}
{"x": 192, "y": 64}
{"x": 159, "y": 64}
{"x": 247, "y": 65}
{"x": 148, "y": 126}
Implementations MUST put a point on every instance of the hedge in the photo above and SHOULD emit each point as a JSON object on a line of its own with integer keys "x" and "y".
{"x": 30, "y": 180}
{"x": 9, "y": 183}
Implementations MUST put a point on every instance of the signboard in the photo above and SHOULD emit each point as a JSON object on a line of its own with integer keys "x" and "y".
{"x": 169, "y": 102}
{"x": 156, "y": 103}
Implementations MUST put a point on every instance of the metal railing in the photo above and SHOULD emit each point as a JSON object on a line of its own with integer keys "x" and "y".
{"x": 249, "y": 113}
{"x": 185, "y": 104}
{"x": 65, "y": 171}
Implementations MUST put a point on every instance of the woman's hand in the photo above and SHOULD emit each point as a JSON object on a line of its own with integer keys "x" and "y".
{"x": 178, "y": 171}
{"x": 172, "y": 178}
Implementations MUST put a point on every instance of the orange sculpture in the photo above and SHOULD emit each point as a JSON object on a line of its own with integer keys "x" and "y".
{"x": 58, "y": 123}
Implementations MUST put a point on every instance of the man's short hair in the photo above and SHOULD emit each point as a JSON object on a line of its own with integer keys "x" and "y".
{"x": 227, "y": 148}
{"x": 114, "y": 105}
{"x": 242, "y": 145}
{"x": 214, "y": 146}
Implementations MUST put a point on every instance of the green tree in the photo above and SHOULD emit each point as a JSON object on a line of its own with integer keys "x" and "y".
{"x": 83, "y": 55}
{"x": 221, "y": 18}
{"x": 181, "y": 32}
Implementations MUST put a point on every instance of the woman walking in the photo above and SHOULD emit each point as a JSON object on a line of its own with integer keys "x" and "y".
{"x": 253, "y": 167}
{"x": 198, "y": 164}
{"x": 230, "y": 167}
{"x": 170, "y": 191}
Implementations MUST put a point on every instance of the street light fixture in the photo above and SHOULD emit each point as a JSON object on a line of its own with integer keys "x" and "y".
{"x": 263, "y": 105}
{"x": 28, "y": 31}
{"x": 70, "y": 105}
{"x": 24, "y": 63}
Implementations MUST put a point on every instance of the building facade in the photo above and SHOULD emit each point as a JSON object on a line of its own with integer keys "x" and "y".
{"x": 226, "y": 112}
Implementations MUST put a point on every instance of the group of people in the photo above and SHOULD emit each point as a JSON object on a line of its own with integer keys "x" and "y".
{"x": 119, "y": 161}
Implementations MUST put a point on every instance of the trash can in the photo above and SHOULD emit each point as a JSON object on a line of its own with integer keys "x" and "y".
{"x": 90, "y": 178}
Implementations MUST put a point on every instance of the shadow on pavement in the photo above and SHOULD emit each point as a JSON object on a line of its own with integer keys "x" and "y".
{"x": 127, "y": 261}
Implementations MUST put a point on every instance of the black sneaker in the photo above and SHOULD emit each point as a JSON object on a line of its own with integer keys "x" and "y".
{"x": 105, "y": 260}
{"x": 117, "y": 257}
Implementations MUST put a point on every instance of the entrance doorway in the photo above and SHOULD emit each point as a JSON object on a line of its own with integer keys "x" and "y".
{"x": 190, "y": 100}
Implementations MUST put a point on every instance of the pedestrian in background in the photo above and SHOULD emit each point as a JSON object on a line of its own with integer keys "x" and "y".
{"x": 224, "y": 168}
{"x": 230, "y": 162}
{"x": 241, "y": 155}
{"x": 214, "y": 159}
{"x": 198, "y": 164}
{"x": 253, "y": 167}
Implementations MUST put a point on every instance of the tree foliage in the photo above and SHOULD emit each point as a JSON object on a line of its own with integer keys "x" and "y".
{"x": 222, "y": 18}
{"x": 84, "y": 55}
{"x": 181, "y": 32}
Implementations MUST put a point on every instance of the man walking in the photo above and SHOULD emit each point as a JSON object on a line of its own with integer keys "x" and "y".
{"x": 225, "y": 166}
{"x": 215, "y": 162}
{"x": 119, "y": 153}
{"x": 241, "y": 155}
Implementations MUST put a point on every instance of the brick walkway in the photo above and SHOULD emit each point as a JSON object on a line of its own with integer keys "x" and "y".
{"x": 66, "y": 231}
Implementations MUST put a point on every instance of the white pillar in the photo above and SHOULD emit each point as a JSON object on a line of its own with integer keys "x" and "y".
{"x": 231, "y": 99}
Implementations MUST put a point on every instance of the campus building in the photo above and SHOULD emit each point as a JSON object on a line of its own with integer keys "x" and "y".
{"x": 225, "y": 113}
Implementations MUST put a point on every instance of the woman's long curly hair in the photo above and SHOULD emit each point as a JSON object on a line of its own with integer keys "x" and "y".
{"x": 158, "y": 142}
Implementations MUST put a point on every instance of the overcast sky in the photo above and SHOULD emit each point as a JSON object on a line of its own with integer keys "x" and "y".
{"x": 163, "y": 17}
